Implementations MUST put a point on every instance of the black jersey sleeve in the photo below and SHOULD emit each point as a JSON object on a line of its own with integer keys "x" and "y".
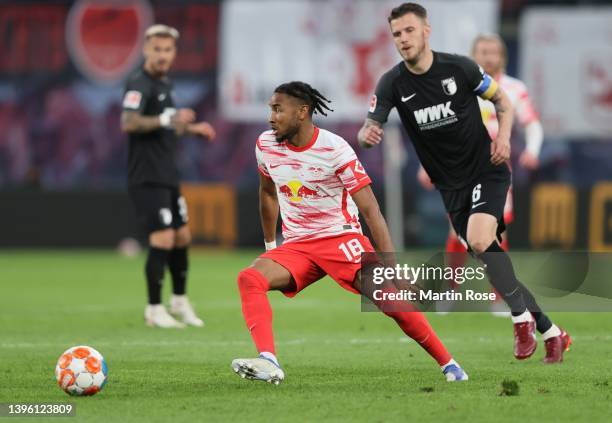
{"x": 478, "y": 80}
{"x": 382, "y": 101}
{"x": 471, "y": 70}
{"x": 137, "y": 92}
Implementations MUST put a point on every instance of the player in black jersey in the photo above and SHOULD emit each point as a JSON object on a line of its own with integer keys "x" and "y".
{"x": 154, "y": 125}
{"x": 435, "y": 95}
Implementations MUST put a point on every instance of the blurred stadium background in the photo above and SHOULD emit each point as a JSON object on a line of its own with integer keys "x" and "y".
{"x": 63, "y": 65}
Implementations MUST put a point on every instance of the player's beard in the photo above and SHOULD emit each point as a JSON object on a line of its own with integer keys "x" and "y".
{"x": 156, "y": 69}
{"x": 290, "y": 133}
{"x": 162, "y": 68}
{"x": 415, "y": 60}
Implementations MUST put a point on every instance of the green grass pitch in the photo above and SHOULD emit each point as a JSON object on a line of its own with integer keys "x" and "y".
{"x": 341, "y": 364}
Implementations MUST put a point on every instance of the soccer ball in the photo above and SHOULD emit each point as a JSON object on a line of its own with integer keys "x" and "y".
{"x": 81, "y": 370}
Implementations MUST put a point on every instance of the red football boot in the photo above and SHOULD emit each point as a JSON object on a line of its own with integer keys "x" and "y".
{"x": 525, "y": 342}
{"x": 556, "y": 346}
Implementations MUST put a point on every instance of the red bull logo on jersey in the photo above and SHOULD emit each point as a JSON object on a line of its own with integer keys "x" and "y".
{"x": 296, "y": 191}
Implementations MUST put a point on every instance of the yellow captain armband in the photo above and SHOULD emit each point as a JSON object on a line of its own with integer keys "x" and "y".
{"x": 487, "y": 87}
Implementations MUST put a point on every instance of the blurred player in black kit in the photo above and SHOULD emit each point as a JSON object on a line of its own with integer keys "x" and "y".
{"x": 436, "y": 96}
{"x": 154, "y": 125}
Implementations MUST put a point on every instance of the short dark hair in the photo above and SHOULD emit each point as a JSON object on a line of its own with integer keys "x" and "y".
{"x": 311, "y": 96}
{"x": 404, "y": 8}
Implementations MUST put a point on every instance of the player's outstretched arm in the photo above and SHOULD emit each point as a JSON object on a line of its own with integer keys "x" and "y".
{"x": 500, "y": 147}
{"x": 268, "y": 208}
{"x": 525, "y": 113}
{"x": 534, "y": 135}
{"x": 135, "y": 122}
{"x": 368, "y": 207}
{"x": 202, "y": 129}
{"x": 370, "y": 134}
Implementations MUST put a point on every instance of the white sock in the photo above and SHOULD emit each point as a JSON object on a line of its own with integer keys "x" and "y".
{"x": 270, "y": 356}
{"x": 552, "y": 332}
{"x": 452, "y": 361}
{"x": 178, "y": 299}
{"x": 521, "y": 318}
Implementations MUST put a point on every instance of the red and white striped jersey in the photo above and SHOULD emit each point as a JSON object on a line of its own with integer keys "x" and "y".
{"x": 314, "y": 184}
{"x": 524, "y": 111}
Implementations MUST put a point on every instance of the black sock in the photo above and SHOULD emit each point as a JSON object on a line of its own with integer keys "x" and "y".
{"x": 178, "y": 264}
{"x": 154, "y": 271}
{"x": 542, "y": 321}
{"x": 502, "y": 277}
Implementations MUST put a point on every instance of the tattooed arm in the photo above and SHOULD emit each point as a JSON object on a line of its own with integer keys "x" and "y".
{"x": 181, "y": 120}
{"x": 132, "y": 121}
{"x": 500, "y": 147}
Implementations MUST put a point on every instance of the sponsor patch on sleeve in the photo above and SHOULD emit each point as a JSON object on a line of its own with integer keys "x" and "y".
{"x": 132, "y": 99}
{"x": 372, "y": 108}
{"x": 353, "y": 176}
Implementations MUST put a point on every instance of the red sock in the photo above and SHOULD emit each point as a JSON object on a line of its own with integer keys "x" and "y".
{"x": 415, "y": 325}
{"x": 505, "y": 244}
{"x": 256, "y": 308}
{"x": 456, "y": 254}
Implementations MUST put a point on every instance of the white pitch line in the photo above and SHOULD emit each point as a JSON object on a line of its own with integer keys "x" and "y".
{"x": 300, "y": 341}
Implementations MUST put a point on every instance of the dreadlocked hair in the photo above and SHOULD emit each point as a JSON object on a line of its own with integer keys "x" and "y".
{"x": 315, "y": 101}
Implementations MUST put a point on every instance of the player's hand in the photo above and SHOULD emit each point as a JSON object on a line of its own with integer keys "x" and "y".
{"x": 371, "y": 136}
{"x": 424, "y": 179}
{"x": 203, "y": 129}
{"x": 183, "y": 117}
{"x": 500, "y": 151}
{"x": 529, "y": 161}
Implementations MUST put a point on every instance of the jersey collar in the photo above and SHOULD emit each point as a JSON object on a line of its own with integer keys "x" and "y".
{"x": 315, "y": 135}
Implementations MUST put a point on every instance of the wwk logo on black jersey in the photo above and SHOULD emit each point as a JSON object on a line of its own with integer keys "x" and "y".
{"x": 435, "y": 116}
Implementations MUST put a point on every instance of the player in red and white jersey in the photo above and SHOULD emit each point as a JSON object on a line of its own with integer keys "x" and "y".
{"x": 314, "y": 184}
{"x": 489, "y": 51}
{"x": 314, "y": 177}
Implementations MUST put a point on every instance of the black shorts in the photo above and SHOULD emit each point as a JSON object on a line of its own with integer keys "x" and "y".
{"x": 487, "y": 194}
{"x": 158, "y": 207}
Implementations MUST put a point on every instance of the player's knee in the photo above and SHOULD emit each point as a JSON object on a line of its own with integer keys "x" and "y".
{"x": 479, "y": 244}
{"x": 163, "y": 239}
{"x": 251, "y": 280}
{"x": 183, "y": 238}
{"x": 243, "y": 280}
